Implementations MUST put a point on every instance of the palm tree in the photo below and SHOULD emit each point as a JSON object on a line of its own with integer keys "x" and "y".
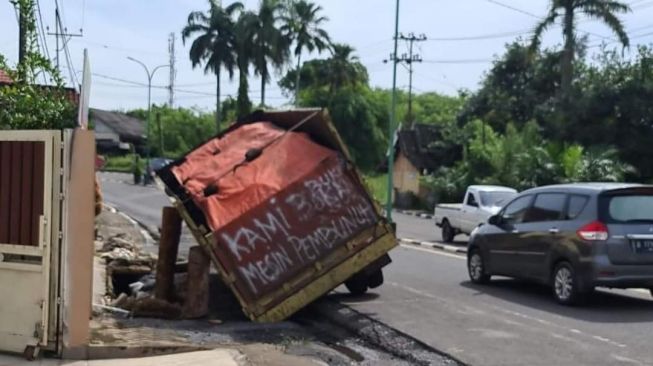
{"x": 244, "y": 56}
{"x": 214, "y": 45}
{"x": 345, "y": 67}
{"x": 269, "y": 47}
{"x": 302, "y": 26}
{"x": 569, "y": 10}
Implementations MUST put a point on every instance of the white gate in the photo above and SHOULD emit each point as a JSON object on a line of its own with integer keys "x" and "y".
{"x": 30, "y": 201}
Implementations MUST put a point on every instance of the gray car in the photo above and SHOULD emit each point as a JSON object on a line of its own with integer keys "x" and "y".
{"x": 572, "y": 237}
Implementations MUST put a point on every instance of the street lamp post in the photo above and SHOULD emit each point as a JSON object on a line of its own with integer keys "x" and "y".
{"x": 150, "y": 75}
{"x": 391, "y": 148}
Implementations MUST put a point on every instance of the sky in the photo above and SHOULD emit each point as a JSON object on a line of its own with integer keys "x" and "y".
{"x": 116, "y": 29}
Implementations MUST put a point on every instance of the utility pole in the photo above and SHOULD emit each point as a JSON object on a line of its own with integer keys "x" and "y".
{"x": 173, "y": 70}
{"x": 393, "y": 110}
{"x": 22, "y": 33}
{"x": 60, "y": 31}
{"x": 409, "y": 59}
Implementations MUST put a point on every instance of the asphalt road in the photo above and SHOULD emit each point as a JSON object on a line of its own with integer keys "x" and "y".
{"x": 427, "y": 295}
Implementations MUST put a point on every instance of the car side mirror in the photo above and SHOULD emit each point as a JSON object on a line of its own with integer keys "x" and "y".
{"x": 495, "y": 220}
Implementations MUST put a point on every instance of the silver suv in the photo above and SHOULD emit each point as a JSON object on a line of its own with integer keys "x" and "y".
{"x": 573, "y": 237}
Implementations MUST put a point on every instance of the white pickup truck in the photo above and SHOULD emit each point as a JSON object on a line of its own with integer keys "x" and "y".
{"x": 479, "y": 204}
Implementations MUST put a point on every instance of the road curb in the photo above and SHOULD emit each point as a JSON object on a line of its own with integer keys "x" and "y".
{"x": 421, "y": 215}
{"x": 429, "y": 244}
{"x": 151, "y": 237}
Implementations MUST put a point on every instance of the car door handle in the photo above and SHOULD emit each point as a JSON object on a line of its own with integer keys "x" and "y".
{"x": 554, "y": 231}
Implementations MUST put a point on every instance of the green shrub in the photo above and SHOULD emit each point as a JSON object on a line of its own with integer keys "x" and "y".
{"x": 124, "y": 163}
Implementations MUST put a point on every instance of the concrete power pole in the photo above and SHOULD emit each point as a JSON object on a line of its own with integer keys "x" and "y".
{"x": 410, "y": 59}
{"x": 60, "y": 31}
{"x": 173, "y": 70}
{"x": 22, "y": 34}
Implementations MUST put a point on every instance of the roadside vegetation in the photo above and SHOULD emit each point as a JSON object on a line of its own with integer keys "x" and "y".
{"x": 24, "y": 104}
{"x": 378, "y": 185}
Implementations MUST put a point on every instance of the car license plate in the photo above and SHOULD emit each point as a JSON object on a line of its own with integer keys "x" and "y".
{"x": 642, "y": 246}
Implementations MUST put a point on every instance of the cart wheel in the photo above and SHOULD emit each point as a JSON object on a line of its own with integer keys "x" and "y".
{"x": 375, "y": 279}
{"x": 357, "y": 285}
{"x": 31, "y": 353}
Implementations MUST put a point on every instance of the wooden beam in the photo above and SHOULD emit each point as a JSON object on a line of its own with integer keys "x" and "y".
{"x": 168, "y": 247}
{"x": 196, "y": 304}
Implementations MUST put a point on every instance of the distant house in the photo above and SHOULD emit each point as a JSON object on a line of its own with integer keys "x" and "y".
{"x": 417, "y": 155}
{"x": 117, "y": 132}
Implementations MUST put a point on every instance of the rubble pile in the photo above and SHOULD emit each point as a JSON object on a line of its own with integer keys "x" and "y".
{"x": 130, "y": 281}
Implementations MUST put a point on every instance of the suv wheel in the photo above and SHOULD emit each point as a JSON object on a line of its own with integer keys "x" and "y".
{"x": 476, "y": 267}
{"x": 447, "y": 232}
{"x": 565, "y": 285}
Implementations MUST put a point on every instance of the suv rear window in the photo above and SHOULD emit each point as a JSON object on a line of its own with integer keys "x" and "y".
{"x": 630, "y": 208}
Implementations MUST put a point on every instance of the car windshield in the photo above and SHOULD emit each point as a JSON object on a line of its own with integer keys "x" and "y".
{"x": 630, "y": 208}
{"x": 491, "y": 199}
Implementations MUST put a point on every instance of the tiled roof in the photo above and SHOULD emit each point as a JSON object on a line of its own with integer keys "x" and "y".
{"x": 4, "y": 78}
{"x": 129, "y": 128}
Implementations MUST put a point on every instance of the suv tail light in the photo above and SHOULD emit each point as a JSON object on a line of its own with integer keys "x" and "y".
{"x": 594, "y": 231}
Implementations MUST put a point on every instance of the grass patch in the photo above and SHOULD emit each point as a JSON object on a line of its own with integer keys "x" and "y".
{"x": 378, "y": 184}
{"x": 123, "y": 163}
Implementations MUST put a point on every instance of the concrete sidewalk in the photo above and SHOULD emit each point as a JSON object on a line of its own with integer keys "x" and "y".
{"x": 218, "y": 357}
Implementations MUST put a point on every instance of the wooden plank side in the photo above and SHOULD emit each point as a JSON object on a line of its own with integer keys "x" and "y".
{"x": 5, "y": 166}
{"x": 14, "y": 190}
{"x": 25, "y": 226}
{"x": 37, "y": 189}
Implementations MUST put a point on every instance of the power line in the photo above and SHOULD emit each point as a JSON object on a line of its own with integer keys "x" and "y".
{"x": 513, "y": 8}
{"x": 632, "y": 36}
{"x": 123, "y": 49}
{"x": 643, "y": 6}
{"x": 501, "y": 4}
{"x": 480, "y": 37}
{"x": 459, "y": 61}
{"x": 108, "y": 77}
{"x": 451, "y": 85}
{"x": 135, "y": 84}
{"x": 42, "y": 32}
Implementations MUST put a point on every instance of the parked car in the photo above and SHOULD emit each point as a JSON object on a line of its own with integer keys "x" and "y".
{"x": 479, "y": 204}
{"x": 572, "y": 237}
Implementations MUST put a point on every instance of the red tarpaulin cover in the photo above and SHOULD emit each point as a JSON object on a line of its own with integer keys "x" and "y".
{"x": 286, "y": 160}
